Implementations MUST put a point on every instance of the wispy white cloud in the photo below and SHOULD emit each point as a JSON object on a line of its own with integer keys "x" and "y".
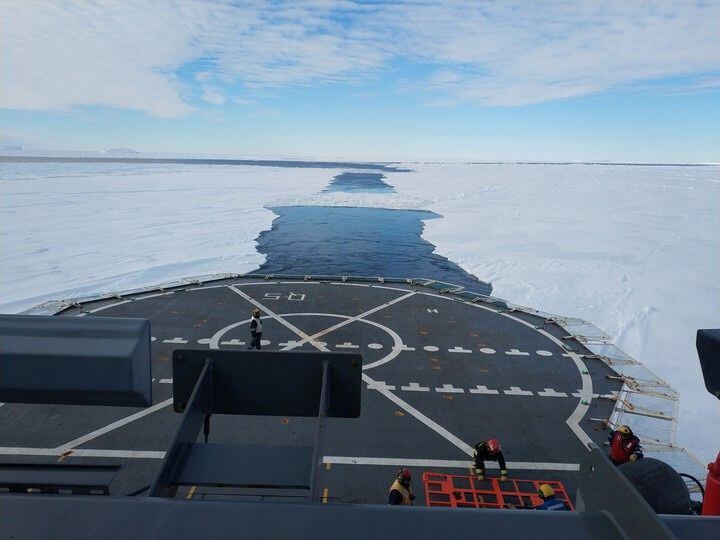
{"x": 213, "y": 95}
{"x": 140, "y": 54}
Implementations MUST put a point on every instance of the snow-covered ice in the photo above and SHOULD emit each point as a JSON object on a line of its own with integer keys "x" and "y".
{"x": 633, "y": 249}
{"x": 75, "y": 229}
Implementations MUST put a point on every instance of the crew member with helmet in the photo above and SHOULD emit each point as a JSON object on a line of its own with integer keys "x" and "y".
{"x": 489, "y": 450}
{"x": 547, "y": 494}
{"x": 255, "y": 330}
{"x": 624, "y": 446}
{"x": 401, "y": 490}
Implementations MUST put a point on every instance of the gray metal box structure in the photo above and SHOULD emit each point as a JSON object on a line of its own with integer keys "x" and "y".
{"x": 75, "y": 360}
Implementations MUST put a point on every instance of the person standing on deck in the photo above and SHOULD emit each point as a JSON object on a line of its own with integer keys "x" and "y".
{"x": 624, "y": 446}
{"x": 489, "y": 449}
{"x": 401, "y": 491}
{"x": 255, "y": 330}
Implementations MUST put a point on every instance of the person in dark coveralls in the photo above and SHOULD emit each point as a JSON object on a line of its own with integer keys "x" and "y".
{"x": 547, "y": 494}
{"x": 255, "y": 330}
{"x": 401, "y": 491}
{"x": 489, "y": 450}
{"x": 624, "y": 446}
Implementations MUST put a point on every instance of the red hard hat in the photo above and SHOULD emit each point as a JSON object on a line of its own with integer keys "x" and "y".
{"x": 493, "y": 446}
{"x": 404, "y": 474}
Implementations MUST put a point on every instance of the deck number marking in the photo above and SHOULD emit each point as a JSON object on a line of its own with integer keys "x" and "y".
{"x": 295, "y": 297}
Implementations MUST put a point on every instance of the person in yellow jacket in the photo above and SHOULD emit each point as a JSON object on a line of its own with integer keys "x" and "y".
{"x": 401, "y": 490}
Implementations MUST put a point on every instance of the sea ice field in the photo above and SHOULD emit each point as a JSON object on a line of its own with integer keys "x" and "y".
{"x": 632, "y": 249}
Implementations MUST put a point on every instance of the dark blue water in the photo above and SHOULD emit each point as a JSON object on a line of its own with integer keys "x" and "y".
{"x": 363, "y": 182}
{"x": 357, "y": 242}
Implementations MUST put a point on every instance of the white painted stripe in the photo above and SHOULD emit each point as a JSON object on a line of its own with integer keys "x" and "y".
{"x": 374, "y": 346}
{"x": 431, "y": 348}
{"x": 437, "y": 428}
{"x": 345, "y": 345}
{"x": 404, "y": 347}
{"x": 459, "y": 350}
{"x": 166, "y": 381}
{"x": 110, "y": 427}
{"x": 549, "y": 392}
{"x": 415, "y": 387}
{"x": 380, "y": 385}
{"x": 487, "y": 350}
{"x": 82, "y": 452}
{"x": 515, "y": 391}
{"x": 544, "y": 353}
{"x": 515, "y": 352}
{"x": 131, "y": 454}
{"x": 204, "y": 341}
{"x": 449, "y": 389}
{"x": 481, "y": 389}
{"x": 447, "y": 463}
{"x": 178, "y": 340}
{"x": 233, "y": 342}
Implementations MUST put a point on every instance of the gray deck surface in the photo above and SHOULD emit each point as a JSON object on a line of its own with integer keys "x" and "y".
{"x": 432, "y": 366}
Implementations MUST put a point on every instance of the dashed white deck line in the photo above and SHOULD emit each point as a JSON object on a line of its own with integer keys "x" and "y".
{"x": 263, "y": 342}
{"x": 356, "y": 317}
{"x": 437, "y": 428}
{"x": 449, "y": 389}
{"x": 431, "y": 348}
{"x": 166, "y": 381}
{"x": 482, "y": 389}
{"x": 549, "y": 392}
{"x": 415, "y": 387}
{"x": 380, "y": 385}
{"x": 374, "y": 346}
{"x": 432, "y": 310}
{"x": 576, "y": 394}
{"x": 177, "y": 340}
{"x": 346, "y": 345}
{"x": 403, "y": 347}
{"x": 447, "y": 463}
{"x": 232, "y": 342}
{"x": 289, "y": 344}
{"x": 544, "y": 353}
{"x": 152, "y": 338}
{"x": 516, "y": 391}
{"x": 459, "y": 350}
{"x": 204, "y": 341}
{"x": 515, "y": 352}
{"x": 487, "y": 350}
{"x": 115, "y": 425}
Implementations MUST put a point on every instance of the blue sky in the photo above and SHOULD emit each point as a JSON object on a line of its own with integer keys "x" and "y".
{"x": 553, "y": 80}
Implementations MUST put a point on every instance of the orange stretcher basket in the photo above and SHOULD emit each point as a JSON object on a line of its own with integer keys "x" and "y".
{"x": 456, "y": 491}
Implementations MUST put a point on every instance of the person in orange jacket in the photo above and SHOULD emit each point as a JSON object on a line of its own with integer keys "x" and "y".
{"x": 624, "y": 446}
